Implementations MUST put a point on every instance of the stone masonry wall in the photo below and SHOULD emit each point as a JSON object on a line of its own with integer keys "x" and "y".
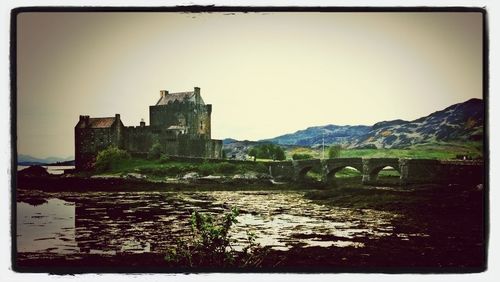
{"x": 89, "y": 141}
{"x": 196, "y": 118}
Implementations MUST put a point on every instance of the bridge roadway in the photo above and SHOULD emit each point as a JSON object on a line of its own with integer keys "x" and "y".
{"x": 410, "y": 170}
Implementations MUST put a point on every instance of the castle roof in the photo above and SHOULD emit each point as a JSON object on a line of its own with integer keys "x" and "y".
{"x": 103, "y": 122}
{"x": 179, "y": 97}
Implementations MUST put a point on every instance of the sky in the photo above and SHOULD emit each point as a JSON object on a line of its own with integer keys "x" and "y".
{"x": 266, "y": 74}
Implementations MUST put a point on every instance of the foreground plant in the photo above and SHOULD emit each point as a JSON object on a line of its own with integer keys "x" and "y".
{"x": 210, "y": 244}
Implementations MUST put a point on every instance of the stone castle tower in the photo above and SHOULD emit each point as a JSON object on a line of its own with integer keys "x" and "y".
{"x": 179, "y": 122}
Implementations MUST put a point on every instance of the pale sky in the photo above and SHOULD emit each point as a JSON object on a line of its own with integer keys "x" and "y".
{"x": 266, "y": 74}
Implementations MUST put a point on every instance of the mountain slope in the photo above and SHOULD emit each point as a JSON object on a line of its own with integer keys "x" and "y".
{"x": 27, "y": 159}
{"x": 313, "y": 136}
{"x": 459, "y": 122}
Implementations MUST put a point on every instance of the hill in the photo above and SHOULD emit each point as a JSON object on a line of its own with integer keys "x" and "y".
{"x": 460, "y": 122}
{"x": 30, "y": 160}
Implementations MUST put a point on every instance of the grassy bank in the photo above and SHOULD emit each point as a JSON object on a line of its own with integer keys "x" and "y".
{"x": 437, "y": 150}
{"x": 161, "y": 168}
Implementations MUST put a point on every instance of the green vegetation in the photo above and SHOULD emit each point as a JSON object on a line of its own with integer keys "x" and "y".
{"x": 436, "y": 150}
{"x": 267, "y": 151}
{"x": 315, "y": 154}
{"x": 155, "y": 151}
{"x": 165, "y": 167}
{"x": 334, "y": 151}
{"x": 298, "y": 156}
{"x": 210, "y": 244}
{"x": 422, "y": 151}
{"x": 110, "y": 158}
{"x": 347, "y": 172}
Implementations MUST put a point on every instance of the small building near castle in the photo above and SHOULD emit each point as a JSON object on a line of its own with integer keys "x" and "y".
{"x": 179, "y": 122}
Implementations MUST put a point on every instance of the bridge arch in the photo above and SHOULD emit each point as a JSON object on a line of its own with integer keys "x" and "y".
{"x": 332, "y": 171}
{"x": 302, "y": 167}
{"x": 376, "y": 170}
{"x": 302, "y": 172}
{"x": 373, "y": 166}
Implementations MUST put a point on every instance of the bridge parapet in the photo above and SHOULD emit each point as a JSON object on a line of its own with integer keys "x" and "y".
{"x": 411, "y": 170}
{"x": 442, "y": 171}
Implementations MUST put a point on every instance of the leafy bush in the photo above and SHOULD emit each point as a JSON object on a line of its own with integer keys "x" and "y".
{"x": 155, "y": 151}
{"x": 297, "y": 156}
{"x": 109, "y": 158}
{"x": 210, "y": 244}
{"x": 334, "y": 151}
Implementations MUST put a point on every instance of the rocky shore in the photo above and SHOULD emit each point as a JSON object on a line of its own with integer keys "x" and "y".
{"x": 37, "y": 177}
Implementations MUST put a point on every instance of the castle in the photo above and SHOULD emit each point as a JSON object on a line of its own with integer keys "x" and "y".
{"x": 179, "y": 122}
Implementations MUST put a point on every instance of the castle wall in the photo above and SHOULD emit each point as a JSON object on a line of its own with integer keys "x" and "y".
{"x": 196, "y": 118}
{"x": 139, "y": 139}
{"x": 89, "y": 141}
{"x": 199, "y": 148}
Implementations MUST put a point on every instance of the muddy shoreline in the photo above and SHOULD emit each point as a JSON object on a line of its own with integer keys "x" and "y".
{"x": 55, "y": 183}
{"x": 452, "y": 216}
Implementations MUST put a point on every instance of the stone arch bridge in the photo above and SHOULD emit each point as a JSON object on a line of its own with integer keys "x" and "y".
{"x": 410, "y": 170}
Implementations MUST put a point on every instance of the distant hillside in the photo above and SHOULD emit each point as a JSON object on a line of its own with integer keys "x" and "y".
{"x": 29, "y": 160}
{"x": 313, "y": 136}
{"x": 459, "y": 122}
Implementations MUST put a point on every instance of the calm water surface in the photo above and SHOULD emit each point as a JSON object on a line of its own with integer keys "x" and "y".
{"x": 112, "y": 222}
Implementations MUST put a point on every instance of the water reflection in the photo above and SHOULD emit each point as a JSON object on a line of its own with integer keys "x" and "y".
{"x": 112, "y": 222}
{"x": 48, "y": 227}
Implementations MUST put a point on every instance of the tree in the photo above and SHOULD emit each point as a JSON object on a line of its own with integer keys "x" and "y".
{"x": 267, "y": 151}
{"x": 298, "y": 156}
{"x": 253, "y": 153}
{"x": 334, "y": 151}
{"x": 278, "y": 154}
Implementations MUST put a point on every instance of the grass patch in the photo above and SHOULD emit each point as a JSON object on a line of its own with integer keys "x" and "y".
{"x": 435, "y": 150}
{"x": 347, "y": 172}
{"x": 438, "y": 150}
{"x": 164, "y": 168}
